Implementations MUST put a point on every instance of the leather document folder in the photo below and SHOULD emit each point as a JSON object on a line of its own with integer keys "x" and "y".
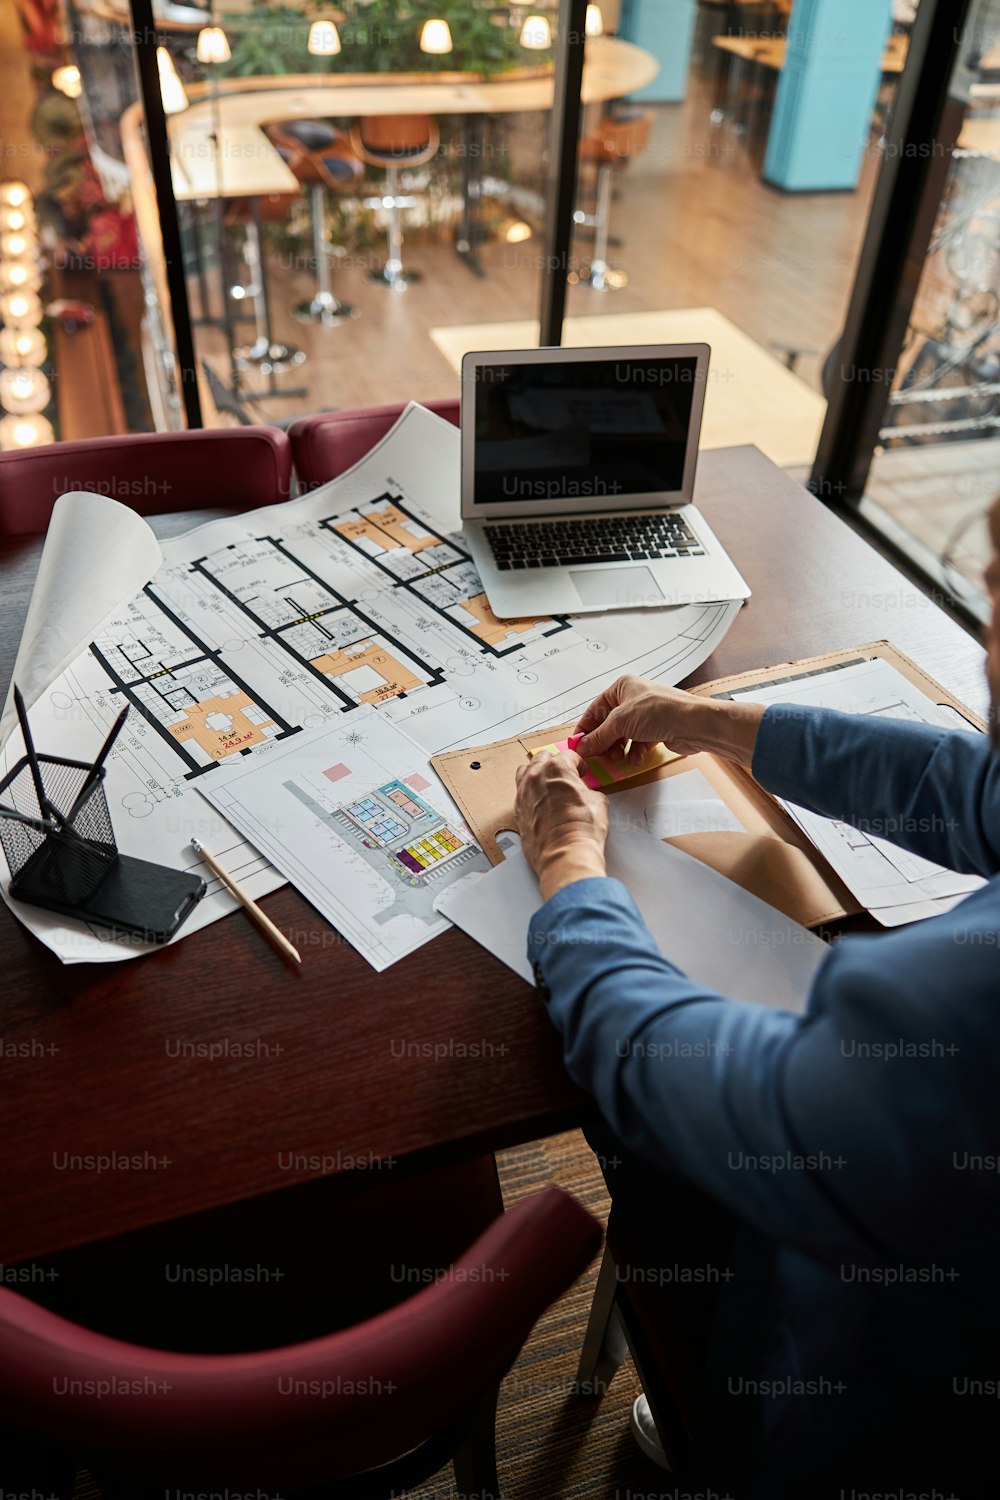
{"x": 772, "y": 857}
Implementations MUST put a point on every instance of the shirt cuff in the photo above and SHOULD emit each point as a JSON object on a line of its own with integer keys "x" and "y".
{"x": 595, "y": 894}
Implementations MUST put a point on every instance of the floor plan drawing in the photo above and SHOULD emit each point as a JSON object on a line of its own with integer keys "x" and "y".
{"x": 438, "y": 572}
{"x": 182, "y": 688}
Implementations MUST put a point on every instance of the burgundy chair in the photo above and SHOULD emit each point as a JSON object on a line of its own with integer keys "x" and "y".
{"x": 152, "y": 472}
{"x": 326, "y": 444}
{"x": 368, "y": 1411}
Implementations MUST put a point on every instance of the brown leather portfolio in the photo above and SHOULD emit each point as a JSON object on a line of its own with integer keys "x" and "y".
{"x": 772, "y": 856}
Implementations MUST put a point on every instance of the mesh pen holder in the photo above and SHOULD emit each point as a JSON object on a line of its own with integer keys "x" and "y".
{"x": 61, "y": 869}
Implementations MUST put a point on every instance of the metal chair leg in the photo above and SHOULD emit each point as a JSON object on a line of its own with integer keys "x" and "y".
{"x": 605, "y": 1347}
{"x": 475, "y": 1462}
{"x": 324, "y": 307}
{"x": 391, "y": 274}
{"x": 602, "y": 228}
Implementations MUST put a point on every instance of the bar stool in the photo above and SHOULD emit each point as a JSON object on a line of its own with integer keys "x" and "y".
{"x": 322, "y": 160}
{"x": 610, "y": 148}
{"x": 393, "y": 142}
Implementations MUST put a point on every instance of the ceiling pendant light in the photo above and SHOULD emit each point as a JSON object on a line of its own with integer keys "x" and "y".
{"x": 24, "y": 392}
{"x": 435, "y": 37}
{"x": 25, "y": 432}
{"x": 213, "y": 45}
{"x": 324, "y": 39}
{"x": 536, "y": 33}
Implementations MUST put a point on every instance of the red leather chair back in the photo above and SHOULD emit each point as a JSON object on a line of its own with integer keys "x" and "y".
{"x": 330, "y": 442}
{"x": 309, "y": 1413}
{"x": 152, "y": 472}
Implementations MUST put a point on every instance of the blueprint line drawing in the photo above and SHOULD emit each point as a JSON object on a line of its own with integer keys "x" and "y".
{"x": 357, "y": 597}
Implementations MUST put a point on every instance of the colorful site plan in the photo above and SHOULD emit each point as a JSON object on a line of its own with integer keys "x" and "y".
{"x": 352, "y": 814}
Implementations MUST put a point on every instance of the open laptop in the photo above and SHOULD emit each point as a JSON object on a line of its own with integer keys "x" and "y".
{"x": 577, "y": 478}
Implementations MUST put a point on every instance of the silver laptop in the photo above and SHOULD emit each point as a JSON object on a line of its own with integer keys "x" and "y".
{"x": 577, "y": 478}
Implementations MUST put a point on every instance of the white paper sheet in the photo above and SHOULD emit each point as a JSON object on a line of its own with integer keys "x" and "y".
{"x": 259, "y": 626}
{"x": 681, "y": 804}
{"x": 711, "y": 928}
{"x": 894, "y": 885}
{"x": 354, "y": 816}
{"x": 97, "y": 553}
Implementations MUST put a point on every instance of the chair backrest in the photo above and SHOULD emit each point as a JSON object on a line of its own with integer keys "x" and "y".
{"x": 150, "y": 472}
{"x": 395, "y": 140}
{"x": 309, "y": 1413}
{"x": 330, "y": 442}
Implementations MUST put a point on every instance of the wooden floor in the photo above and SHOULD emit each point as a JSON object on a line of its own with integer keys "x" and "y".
{"x": 696, "y": 227}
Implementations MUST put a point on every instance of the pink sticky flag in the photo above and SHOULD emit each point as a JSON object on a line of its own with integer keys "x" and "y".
{"x": 599, "y": 772}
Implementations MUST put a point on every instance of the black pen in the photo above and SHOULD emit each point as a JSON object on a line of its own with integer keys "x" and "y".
{"x": 45, "y": 807}
{"x": 102, "y": 756}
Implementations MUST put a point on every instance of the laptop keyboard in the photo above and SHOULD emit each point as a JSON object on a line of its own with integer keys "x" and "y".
{"x": 597, "y": 539}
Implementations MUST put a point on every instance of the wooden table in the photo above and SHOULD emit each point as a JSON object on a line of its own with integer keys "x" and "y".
{"x": 770, "y": 52}
{"x": 446, "y": 1053}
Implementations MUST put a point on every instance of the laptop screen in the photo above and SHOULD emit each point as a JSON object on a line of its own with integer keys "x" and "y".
{"x": 587, "y": 429}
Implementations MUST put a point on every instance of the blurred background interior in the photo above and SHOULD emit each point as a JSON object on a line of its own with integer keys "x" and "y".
{"x": 356, "y": 194}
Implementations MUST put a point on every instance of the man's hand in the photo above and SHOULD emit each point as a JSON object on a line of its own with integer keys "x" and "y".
{"x": 647, "y": 713}
{"x": 563, "y": 825}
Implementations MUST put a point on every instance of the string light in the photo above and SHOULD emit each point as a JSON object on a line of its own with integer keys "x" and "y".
{"x": 22, "y": 346}
{"x": 21, "y": 309}
{"x": 19, "y": 276}
{"x": 15, "y": 219}
{"x": 16, "y": 194}
{"x": 24, "y": 392}
{"x": 25, "y": 432}
{"x": 13, "y": 246}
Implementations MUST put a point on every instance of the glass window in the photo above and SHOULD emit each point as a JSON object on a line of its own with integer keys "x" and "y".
{"x": 934, "y": 472}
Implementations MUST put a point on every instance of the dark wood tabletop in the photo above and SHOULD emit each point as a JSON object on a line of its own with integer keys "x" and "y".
{"x": 209, "y": 1072}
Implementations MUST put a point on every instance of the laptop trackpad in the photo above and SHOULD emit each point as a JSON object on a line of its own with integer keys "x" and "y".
{"x": 616, "y": 588}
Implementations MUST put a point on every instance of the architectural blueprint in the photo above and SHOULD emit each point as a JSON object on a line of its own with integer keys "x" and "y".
{"x": 262, "y": 626}
{"x": 354, "y": 816}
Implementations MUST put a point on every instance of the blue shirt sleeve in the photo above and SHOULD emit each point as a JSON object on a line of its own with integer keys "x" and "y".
{"x": 933, "y": 791}
{"x": 825, "y": 1147}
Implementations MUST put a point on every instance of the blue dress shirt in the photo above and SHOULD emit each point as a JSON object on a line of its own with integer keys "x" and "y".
{"x": 861, "y": 1139}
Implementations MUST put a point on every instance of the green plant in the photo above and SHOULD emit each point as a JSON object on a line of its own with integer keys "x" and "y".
{"x": 377, "y": 36}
